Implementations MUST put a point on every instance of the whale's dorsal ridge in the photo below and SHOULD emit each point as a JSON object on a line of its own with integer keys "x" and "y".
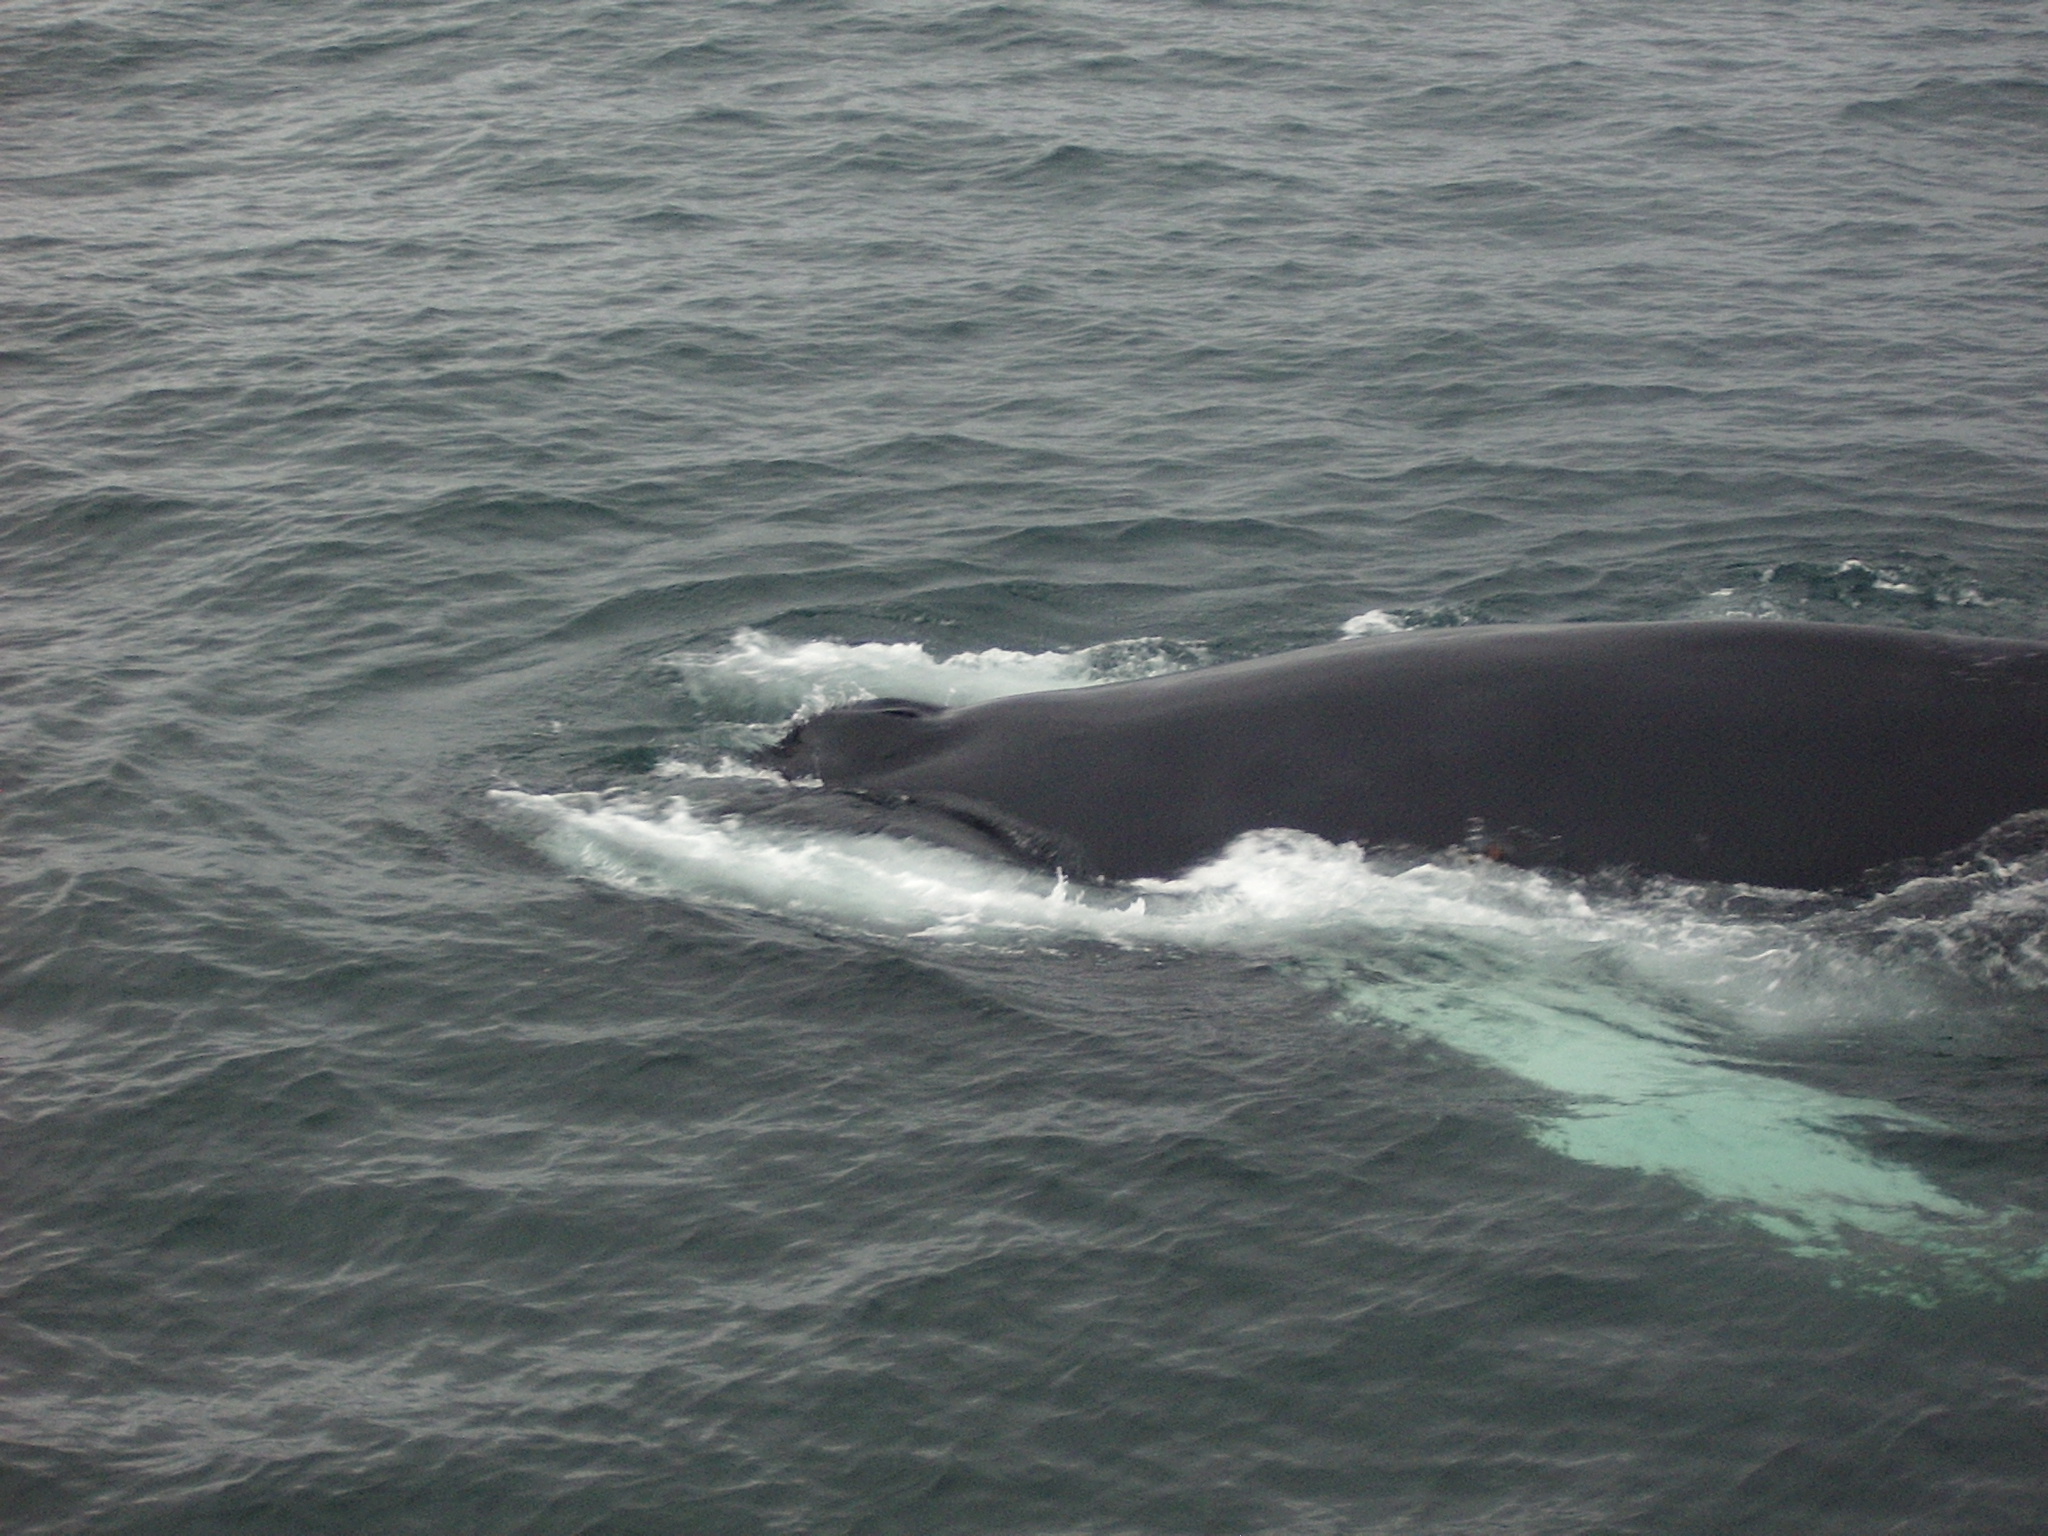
{"x": 1781, "y": 754}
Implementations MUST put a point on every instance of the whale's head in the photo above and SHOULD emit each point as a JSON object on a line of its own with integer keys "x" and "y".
{"x": 853, "y": 743}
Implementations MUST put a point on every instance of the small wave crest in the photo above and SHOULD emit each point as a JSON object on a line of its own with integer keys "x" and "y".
{"x": 1901, "y": 591}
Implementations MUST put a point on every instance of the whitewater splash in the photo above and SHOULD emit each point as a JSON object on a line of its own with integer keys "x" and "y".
{"x": 1632, "y": 1012}
{"x": 755, "y": 671}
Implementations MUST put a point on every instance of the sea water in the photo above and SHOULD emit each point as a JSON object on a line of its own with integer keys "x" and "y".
{"x": 441, "y": 1094}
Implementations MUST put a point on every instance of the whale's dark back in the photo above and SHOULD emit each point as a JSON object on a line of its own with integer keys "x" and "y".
{"x": 1781, "y": 754}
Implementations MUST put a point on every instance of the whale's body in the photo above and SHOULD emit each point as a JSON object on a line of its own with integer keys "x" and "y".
{"x": 1781, "y": 754}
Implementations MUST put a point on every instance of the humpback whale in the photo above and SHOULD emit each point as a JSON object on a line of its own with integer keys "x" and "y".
{"x": 1775, "y": 753}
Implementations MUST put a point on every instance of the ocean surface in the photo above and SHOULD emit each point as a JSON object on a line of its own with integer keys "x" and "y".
{"x": 438, "y": 442}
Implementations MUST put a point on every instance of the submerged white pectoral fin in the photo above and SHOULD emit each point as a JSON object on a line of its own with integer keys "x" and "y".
{"x": 1784, "y": 1156}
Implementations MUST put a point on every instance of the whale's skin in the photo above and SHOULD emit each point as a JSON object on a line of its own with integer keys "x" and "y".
{"x": 1776, "y": 753}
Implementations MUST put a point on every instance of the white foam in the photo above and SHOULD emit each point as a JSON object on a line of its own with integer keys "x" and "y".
{"x": 1276, "y": 890}
{"x": 1374, "y": 621}
{"x": 756, "y": 676}
{"x": 726, "y": 767}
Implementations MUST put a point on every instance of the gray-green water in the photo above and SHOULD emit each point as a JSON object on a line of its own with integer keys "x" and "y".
{"x": 441, "y": 1096}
